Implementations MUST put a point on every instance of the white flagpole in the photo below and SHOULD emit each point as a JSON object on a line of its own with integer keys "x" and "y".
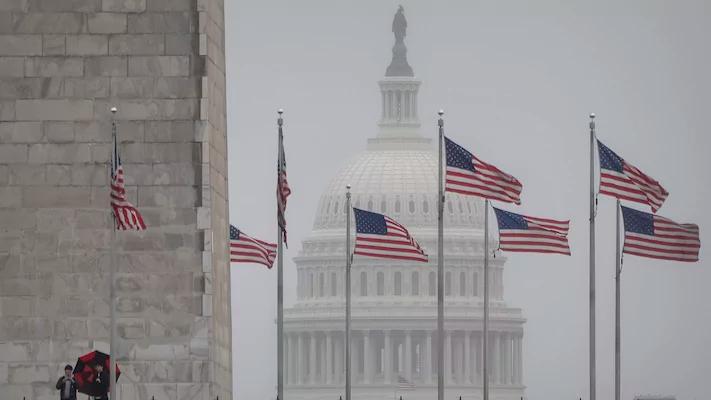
{"x": 618, "y": 272}
{"x": 485, "y": 357}
{"x": 280, "y": 270}
{"x": 348, "y": 292}
{"x": 112, "y": 294}
{"x": 592, "y": 257}
{"x": 440, "y": 266}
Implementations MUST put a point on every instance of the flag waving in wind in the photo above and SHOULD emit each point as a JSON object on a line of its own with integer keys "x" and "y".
{"x": 534, "y": 235}
{"x": 246, "y": 249}
{"x": 652, "y": 236}
{"x": 468, "y": 175}
{"x": 622, "y": 180}
{"x": 382, "y": 237}
{"x": 125, "y": 214}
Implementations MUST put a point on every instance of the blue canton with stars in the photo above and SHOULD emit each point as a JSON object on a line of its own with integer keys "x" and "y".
{"x": 369, "y": 222}
{"x": 509, "y": 220}
{"x": 234, "y": 233}
{"x": 638, "y": 221}
{"x": 458, "y": 157}
{"x": 608, "y": 158}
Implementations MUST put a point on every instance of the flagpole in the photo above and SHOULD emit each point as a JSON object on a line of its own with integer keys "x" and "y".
{"x": 280, "y": 272}
{"x": 348, "y": 292}
{"x": 592, "y": 258}
{"x": 618, "y": 272}
{"x": 485, "y": 368}
{"x": 440, "y": 266}
{"x": 112, "y": 294}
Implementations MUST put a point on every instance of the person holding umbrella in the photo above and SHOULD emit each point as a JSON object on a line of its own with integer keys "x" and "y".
{"x": 100, "y": 385}
{"x": 66, "y": 385}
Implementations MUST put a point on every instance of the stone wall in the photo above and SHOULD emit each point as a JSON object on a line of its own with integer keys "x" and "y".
{"x": 63, "y": 63}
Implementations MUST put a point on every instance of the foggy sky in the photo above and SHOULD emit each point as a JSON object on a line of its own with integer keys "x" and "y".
{"x": 517, "y": 82}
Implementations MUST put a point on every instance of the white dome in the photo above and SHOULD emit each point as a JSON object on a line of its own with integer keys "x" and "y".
{"x": 399, "y": 179}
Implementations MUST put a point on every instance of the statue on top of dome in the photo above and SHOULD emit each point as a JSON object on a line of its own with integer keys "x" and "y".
{"x": 399, "y": 66}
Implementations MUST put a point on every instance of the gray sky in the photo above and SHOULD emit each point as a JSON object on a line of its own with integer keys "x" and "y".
{"x": 517, "y": 81}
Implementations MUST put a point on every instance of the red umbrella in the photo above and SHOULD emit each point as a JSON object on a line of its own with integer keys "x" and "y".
{"x": 85, "y": 373}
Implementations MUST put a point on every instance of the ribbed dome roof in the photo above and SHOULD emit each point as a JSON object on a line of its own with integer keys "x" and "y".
{"x": 401, "y": 183}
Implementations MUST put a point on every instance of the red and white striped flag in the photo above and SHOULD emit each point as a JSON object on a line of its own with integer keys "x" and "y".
{"x": 382, "y": 237}
{"x": 522, "y": 233}
{"x": 246, "y": 249}
{"x": 652, "y": 236}
{"x": 125, "y": 214}
{"x": 468, "y": 175}
{"x": 624, "y": 181}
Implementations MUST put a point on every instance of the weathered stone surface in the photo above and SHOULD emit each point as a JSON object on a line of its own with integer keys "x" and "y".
{"x": 170, "y": 5}
{"x": 10, "y": 197}
{"x": 107, "y": 22}
{"x": 13, "y": 5}
{"x": 136, "y": 44}
{"x": 87, "y": 45}
{"x": 159, "y": 66}
{"x": 53, "y": 45}
{"x": 179, "y": 44}
{"x": 20, "y": 132}
{"x": 20, "y": 45}
{"x": 12, "y": 153}
{"x": 57, "y": 110}
{"x": 63, "y": 22}
{"x": 12, "y": 67}
{"x": 86, "y": 88}
{"x": 7, "y": 110}
{"x": 64, "y": 5}
{"x": 123, "y": 5}
{"x": 20, "y": 88}
{"x": 56, "y": 197}
{"x": 106, "y": 66}
{"x": 161, "y": 22}
{"x": 54, "y": 66}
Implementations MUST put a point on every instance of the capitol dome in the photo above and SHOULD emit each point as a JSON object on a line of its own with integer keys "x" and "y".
{"x": 394, "y": 302}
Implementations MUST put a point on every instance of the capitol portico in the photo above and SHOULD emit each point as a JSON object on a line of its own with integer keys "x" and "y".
{"x": 394, "y": 303}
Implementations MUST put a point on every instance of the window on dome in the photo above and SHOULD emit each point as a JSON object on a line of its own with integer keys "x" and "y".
{"x": 328, "y": 207}
{"x": 321, "y": 284}
{"x": 398, "y": 283}
{"x": 311, "y": 284}
{"x": 370, "y": 204}
{"x": 357, "y": 203}
{"x": 431, "y": 284}
{"x": 335, "y": 208}
{"x": 462, "y": 284}
{"x": 475, "y": 285}
{"x": 334, "y": 284}
{"x": 425, "y": 206}
{"x": 381, "y": 283}
{"x": 383, "y": 206}
{"x": 397, "y": 205}
{"x": 448, "y": 284}
{"x": 411, "y": 206}
{"x": 345, "y": 208}
{"x": 415, "y": 283}
{"x": 449, "y": 208}
{"x": 363, "y": 284}
{"x": 461, "y": 209}
{"x": 469, "y": 207}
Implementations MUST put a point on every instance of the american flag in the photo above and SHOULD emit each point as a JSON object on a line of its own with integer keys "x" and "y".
{"x": 125, "y": 214}
{"x": 404, "y": 384}
{"x": 622, "y": 180}
{"x": 522, "y": 233}
{"x": 246, "y": 249}
{"x": 468, "y": 175}
{"x": 283, "y": 190}
{"x": 380, "y": 236}
{"x": 652, "y": 236}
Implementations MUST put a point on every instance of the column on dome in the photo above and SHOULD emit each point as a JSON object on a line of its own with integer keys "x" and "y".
{"x": 520, "y": 358}
{"x": 456, "y": 357}
{"x": 382, "y": 103}
{"x": 509, "y": 358}
{"x": 408, "y": 356}
{"x": 448, "y": 356}
{"x": 467, "y": 357}
{"x": 387, "y": 357}
{"x": 366, "y": 356}
{"x": 322, "y": 358}
{"x": 312, "y": 357}
{"x": 287, "y": 358}
{"x": 329, "y": 358}
{"x": 495, "y": 363}
{"x": 299, "y": 370}
{"x": 339, "y": 352}
{"x": 428, "y": 357}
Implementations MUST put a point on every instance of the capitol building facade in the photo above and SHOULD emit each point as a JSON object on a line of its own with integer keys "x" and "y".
{"x": 394, "y": 303}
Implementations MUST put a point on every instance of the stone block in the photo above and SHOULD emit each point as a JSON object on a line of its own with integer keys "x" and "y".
{"x": 53, "y": 66}
{"x": 64, "y": 5}
{"x": 144, "y": 44}
{"x": 124, "y": 6}
{"x": 7, "y": 110}
{"x": 150, "y": 109}
{"x": 59, "y": 175}
{"x": 171, "y": 5}
{"x": 58, "y": 22}
{"x": 86, "y": 87}
{"x": 132, "y": 87}
{"x": 89, "y": 175}
{"x": 20, "y": 45}
{"x": 27, "y": 175}
{"x": 161, "y": 22}
{"x": 177, "y": 87}
{"x": 59, "y": 132}
{"x": 159, "y": 66}
{"x": 18, "y": 219}
{"x": 24, "y": 328}
{"x": 107, "y": 22}
{"x": 13, "y": 5}
{"x": 4, "y": 174}
{"x": 20, "y": 132}
{"x": 53, "y": 45}
{"x": 24, "y": 373}
{"x": 181, "y": 44}
{"x": 12, "y": 67}
{"x": 60, "y": 153}
{"x": 13, "y": 153}
{"x": 170, "y": 131}
{"x": 105, "y": 66}
{"x": 54, "y": 110}
{"x": 56, "y": 197}
{"x": 87, "y": 45}
{"x": 193, "y": 391}
{"x": 20, "y": 88}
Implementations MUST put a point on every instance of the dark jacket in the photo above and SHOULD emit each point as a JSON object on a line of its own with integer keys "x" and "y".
{"x": 72, "y": 389}
{"x": 100, "y": 386}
